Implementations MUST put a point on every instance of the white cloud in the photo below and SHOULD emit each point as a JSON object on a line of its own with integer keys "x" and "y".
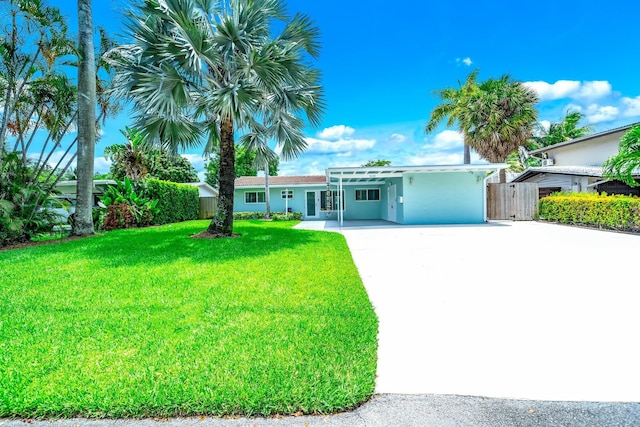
{"x": 466, "y": 61}
{"x": 632, "y": 106}
{"x": 397, "y": 138}
{"x": 445, "y": 140}
{"x": 196, "y": 161}
{"x": 101, "y": 164}
{"x": 590, "y": 90}
{"x": 594, "y": 89}
{"x": 338, "y": 146}
{"x": 596, "y": 113}
{"x": 336, "y": 132}
{"x": 557, "y": 90}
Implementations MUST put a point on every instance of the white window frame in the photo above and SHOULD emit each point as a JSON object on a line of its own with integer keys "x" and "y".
{"x": 367, "y": 199}
{"x": 283, "y": 194}
{"x": 257, "y": 202}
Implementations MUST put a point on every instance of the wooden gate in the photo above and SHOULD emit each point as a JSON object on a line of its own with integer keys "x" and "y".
{"x": 208, "y": 206}
{"x": 514, "y": 201}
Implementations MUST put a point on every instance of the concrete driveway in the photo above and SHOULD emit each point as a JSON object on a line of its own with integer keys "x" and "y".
{"x": 522, "y": 310}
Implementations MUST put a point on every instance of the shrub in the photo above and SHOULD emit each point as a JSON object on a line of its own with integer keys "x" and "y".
{"x": 176, "y": 202}
{"x": 275, "y": 216}
{"x": 616, "y": 212}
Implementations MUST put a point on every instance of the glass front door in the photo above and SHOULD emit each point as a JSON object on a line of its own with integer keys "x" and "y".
{"x": 312, "y": 206}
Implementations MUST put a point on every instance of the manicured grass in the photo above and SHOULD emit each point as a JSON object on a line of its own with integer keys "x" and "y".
{"x": 149, "y": 322}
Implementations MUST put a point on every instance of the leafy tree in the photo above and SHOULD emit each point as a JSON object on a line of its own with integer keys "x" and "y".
{"x": 83, "y": 223}
{"x": 499, "y": 117}
{"x": 375, "y": 163}
{"x": 453, "y": 105}
{"x": 205, "y": 69}
{"x": 137, "y": 160}
{"x": 245, "y": 166}
{"x": 625, "y": 165}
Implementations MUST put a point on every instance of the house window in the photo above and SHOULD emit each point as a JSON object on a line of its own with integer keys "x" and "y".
{"x": 329, "y": 200}
{"x": 254, "y": 197}
{"x": 287, "y": 194}
{"x": 371, "y": 194}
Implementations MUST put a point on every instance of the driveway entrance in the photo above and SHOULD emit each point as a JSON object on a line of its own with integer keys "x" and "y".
{"x": 515, "y": 309}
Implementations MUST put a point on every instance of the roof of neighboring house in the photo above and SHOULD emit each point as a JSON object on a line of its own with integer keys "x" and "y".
{"x": 595, "y": 171}
{"x": 204, "y": 188}
{"x": 279, "y": 181}
{"x": 584, "y": 138}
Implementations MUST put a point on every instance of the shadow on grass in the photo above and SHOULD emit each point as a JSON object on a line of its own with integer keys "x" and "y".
{"x": 165, "y": 244}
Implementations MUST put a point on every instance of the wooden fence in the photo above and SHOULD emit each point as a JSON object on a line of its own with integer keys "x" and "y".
{"x": 513, "y": 201}
{"x": 208, "y": 206}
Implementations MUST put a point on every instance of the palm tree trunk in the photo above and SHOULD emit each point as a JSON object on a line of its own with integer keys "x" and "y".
{"x": 83, "y": 225}
{"x": 222, "y": 222}
{"x": 267, "y": 199}
{"x": 467, "y": 154}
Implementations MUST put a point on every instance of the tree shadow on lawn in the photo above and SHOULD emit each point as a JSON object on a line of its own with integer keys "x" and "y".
{"x": 165, "y": 244}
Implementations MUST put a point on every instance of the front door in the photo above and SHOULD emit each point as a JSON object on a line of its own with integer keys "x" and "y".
{"x": 311, "y": 203}
{"x": 391, "y": 212}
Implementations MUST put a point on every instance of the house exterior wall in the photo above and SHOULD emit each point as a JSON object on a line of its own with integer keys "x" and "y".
{"x": 355, "y": 209}
{"x": 444, "y": 198}
{"x": 277, "y": 203}
{"x": 565, "y": 182}
{"x": 591, "y": 152}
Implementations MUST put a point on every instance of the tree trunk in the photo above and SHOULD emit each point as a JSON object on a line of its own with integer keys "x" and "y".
{"x": 222, "y": 222}
{"x": 467, "y": 154}
{"x": 267, "y": 198}
{"x": 83, "y": 224}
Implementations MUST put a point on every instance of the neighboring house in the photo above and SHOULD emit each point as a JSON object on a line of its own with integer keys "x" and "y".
{"x": 576, "y": 165}
{"x": 208, "y": 199}
{"x": 452, "y": 194}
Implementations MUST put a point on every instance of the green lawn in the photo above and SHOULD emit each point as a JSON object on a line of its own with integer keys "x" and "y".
{"x": 149, "y": 322}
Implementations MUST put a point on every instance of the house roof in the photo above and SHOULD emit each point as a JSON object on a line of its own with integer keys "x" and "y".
{"x": 281, "y": 181}
{"x": 372, "y": 174}
{"x": 594, "y": 171}
{"x": 584, "y": 138}
{"x": 203, "y": 187}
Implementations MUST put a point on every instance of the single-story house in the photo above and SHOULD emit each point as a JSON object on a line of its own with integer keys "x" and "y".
{"x": 576, "y": 165}
{"x": 448, "y": 194}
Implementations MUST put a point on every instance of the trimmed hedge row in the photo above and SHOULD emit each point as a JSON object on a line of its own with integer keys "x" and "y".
{"x": 615, "y": 212}
{"x": 176, "y": 202}
{"x": 275, "y": 216}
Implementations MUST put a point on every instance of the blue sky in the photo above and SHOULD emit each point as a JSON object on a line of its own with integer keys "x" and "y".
{"x": 382, "y": 61}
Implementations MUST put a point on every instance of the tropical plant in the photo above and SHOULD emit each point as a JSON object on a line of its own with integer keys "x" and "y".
{"x": 207, "y": 69}
{"x": 498, "y": 118}
{"x": 38, "y": 101}
{"x": 128, "y": 159}
{"x": 126, "y": 206}
{"x": 83, "y": 219}
{"x": 625, "y": 166}
{"x": 453, "y": 105}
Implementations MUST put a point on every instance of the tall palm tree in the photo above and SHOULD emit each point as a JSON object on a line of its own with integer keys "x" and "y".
{"x": 625, "y": 166}
{"x": 83, "y": 224}
{"x": 201, "y": 68}
{"x": 499, "y": 117}
{"x": 454, "y": 103}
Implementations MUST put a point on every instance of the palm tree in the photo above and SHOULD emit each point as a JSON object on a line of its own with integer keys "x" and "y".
{"x": 564, "y": 130}
{"x": 499, "y": 117}
{"x": 203, "y": 68}
{"x": 130, "y": 155}
{"x": 625, "y": 166}
{"x": 454, "y": 103}
{"x": 83, "y": 224}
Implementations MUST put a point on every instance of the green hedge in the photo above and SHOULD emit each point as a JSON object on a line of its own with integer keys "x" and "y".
{"x": 275, "y": 216}
{"x": 177, "y": 202}
{"x": 591, "y": 209}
